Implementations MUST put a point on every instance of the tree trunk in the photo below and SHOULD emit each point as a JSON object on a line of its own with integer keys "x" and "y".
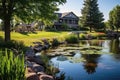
{"x": 90, "y": 29}
{"x": 7, "y": 14}
{"x": 7, "y": 29}
{"x": 117, "y": 29}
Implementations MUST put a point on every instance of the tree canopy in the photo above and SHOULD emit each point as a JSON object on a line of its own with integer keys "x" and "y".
{"x": 114, "y": 18}
{"x": 27, "y": 10}
{"x": 91, "y": 16}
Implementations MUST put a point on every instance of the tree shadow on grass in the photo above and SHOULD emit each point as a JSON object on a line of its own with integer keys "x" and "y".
{"x": 27, "y": 33}
{"x": 1, "y": 39}
{"x": 56, "y": 31}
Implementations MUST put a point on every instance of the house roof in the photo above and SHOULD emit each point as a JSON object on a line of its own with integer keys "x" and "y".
{"x": 61, "y": 15}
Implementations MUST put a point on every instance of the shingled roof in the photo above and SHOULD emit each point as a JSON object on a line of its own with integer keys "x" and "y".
{"x": 61, "y": 15}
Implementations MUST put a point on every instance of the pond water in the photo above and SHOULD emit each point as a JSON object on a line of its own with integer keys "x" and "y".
{"x": 92, "y": 60}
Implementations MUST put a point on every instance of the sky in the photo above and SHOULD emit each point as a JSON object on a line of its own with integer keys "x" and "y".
{"x": 105, "y": 6}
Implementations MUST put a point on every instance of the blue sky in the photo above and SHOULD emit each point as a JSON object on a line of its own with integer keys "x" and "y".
{"x": 76, "y": 5}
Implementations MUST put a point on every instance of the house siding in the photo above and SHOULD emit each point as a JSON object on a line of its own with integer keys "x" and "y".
{"x": 69, "y": 18}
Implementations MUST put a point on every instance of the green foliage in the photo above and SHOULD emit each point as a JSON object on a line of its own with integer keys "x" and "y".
{"x": 107, "y": 26}
{"x": 55, "y": 42}
{"x": 83, "y": 29}
{"x": 91, "y": 16}
{"x": 64, "y": 26}
{"x": 114, "y": 18}
{"x": 16, "y": 46}
{"x": 11, "y": 67}
{"x": 29, "y": 38}
{"x": 27, "y": 11}
{"x": 50, "y": 69}
{"x": 72, "y": 39}
{"x": 49, "y": 28}
{"x": 82, "y": 36}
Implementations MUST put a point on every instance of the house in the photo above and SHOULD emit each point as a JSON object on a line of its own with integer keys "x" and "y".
{"x": 68, "y": 18}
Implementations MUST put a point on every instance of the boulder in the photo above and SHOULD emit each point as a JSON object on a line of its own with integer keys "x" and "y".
{"x": 30, "y": 52}
{"x": 32, "y": 76}
{"x": 38, "y": 68}
{"x": 45, "y": 77}
{"x": 32, "y": 66}
{"x": 36, "y": 60}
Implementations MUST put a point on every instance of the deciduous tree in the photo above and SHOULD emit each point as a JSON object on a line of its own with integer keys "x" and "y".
{"x": 26, "y": 10}
{"x": 114, "y": 18}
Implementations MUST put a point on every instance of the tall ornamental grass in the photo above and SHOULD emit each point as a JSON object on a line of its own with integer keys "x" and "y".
{"x": 11, "y": 66}
{"x": 72, "y": 39}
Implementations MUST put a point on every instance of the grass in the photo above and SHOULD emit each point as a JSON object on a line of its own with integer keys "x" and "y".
{"x": 11, "y": 67}
{"x": 28, "y": 39}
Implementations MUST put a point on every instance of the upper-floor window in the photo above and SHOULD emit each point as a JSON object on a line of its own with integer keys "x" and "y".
{"x": 66, "y": 21}
{"x": 76, "y": 21}
{"x": 60, "y": 20}
{"x": 70, "y": 21}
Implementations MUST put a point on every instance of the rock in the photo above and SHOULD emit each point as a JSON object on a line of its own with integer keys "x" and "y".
{"x": 41, "y": 73}
{"x": 30, "y": 52}
{"x": 28, "y": 64}
{"x": 36, "y": 60}
{"x": 38, "y": 68}
{"x": 32, "y": 76}
{"x": 37, "y": 49}
{"x": 46, "y": 77}
{"x": 46, "y": 46}
{"x": 34, "y": 67}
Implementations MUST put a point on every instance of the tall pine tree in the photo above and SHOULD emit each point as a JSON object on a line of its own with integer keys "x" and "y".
{"x": 91, "y": 16}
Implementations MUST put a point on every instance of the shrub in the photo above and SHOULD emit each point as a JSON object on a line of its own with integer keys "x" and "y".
{"x": 11, "y": 67}
{"x": 72, "y": 39}
{"x": 98, "y": 35}
{"x": 82, "y": 36}
{"x": 14, "y": 45}
{"x": 55, "y": 42}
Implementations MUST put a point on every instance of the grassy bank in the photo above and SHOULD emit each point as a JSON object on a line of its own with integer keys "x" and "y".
{"x": 33, "y": 37}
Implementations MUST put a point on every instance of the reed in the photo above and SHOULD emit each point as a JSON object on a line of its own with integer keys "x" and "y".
{"x": 11, "y": 66}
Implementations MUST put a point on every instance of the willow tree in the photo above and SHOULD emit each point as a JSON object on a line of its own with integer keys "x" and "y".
{"x": 114, "y": 18}
{"x": 26, "y": 10}
{"x": 91, "y": 16}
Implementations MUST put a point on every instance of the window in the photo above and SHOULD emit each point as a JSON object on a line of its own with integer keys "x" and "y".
{"x": 60, "y": 21}
{"x": 70, "y": 21}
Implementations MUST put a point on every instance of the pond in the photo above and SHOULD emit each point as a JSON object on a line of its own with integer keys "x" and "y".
{"x": 90, "y": 60}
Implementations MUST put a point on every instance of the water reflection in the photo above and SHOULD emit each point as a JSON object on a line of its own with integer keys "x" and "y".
{"x": 91, "y": 61}
{"x": 114, "y": 46}
{"x": 92, "y": 42}
{"x": 86, "y": 66}
{"x": 62, "y": 58}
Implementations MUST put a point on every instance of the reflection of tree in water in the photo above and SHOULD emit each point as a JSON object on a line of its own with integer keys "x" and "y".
{"x": 95, "y": 43}
{"x": 114, "y": 46}
{"x": 91, "y": 62}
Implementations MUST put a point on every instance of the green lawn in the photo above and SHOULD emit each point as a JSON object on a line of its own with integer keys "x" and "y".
{"x": 33, "y": 37}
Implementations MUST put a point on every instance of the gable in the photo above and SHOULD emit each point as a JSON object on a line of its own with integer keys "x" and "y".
{"x": 71, "y": 15}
